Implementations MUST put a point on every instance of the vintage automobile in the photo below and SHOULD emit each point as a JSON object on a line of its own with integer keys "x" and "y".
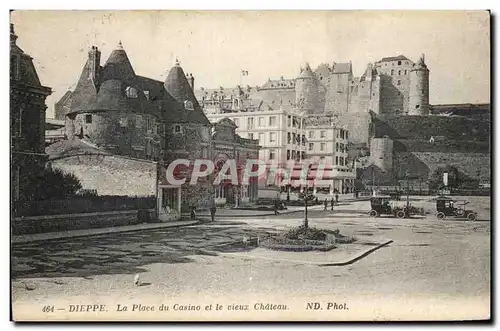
{"x": 387, "y": 205}
{"x": 446, "y": 206}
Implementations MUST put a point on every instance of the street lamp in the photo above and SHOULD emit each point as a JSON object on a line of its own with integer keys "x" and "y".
{"x": 306, "y": 195}
{"x": 213, "y": 132}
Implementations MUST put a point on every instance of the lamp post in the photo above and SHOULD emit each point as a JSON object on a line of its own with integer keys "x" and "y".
{"x": 306, "y": 220}
{"x": 213, "y": 132}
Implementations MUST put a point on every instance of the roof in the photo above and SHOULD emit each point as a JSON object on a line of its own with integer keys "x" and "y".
{"x": 72, "y": 147}
{"x": 108, "y": 93}
{"x": 306, "y": 72}
{"x": 394, "y": 58}
{"x": 26, "y": 70}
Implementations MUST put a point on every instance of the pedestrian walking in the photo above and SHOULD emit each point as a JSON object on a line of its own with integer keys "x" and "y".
{"x": 332, "y": 203}
{"x": 336, "y": 198}
{"x": 213, "y": 209}
{"x": 193, "y": 213}
{"x": 326, "y": 204}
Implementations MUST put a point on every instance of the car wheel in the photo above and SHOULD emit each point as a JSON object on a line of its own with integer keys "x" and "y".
{"x": 400, "y": 214}
{"x": 440, "y": 216}
{"x": 472, "y": 217}
{"x": 373, "y": 213}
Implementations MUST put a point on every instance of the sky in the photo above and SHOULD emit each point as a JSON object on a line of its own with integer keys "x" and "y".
{"x": 215, "y": 46}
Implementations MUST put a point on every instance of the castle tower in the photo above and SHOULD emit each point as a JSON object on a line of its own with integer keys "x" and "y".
{"x": 381, "y": 153}
{"x": 306, "y": 90}
{"x": 419, "y": 89}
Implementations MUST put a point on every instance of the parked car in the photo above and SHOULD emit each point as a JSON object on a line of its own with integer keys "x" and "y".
{"x": 386, "y": 205}
{"x": 446, "y": 206}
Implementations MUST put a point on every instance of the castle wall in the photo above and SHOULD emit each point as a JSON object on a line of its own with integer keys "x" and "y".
{"x": 358, "y": 125}
{"x": 424, "y": 164}
{"x": 111, "y": 175}
{"x": 337, "y": 93}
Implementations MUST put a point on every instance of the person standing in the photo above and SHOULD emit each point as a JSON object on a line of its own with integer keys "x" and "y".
{"x": 213, "y": 209}
{"x": 332, "y": 203}
{"x": 336, "y": 198}
{"x": 326, "y": 204}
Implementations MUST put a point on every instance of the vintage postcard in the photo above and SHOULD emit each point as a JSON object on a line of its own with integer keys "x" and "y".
{"x": 250, "y": 165}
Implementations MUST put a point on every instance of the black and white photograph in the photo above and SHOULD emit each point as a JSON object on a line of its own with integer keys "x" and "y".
{"x": 250, "y": 165}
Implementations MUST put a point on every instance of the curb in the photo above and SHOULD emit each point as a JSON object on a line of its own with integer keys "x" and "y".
{"x": 321, "y": 264}
{"x": 254, "y": 215}
{"x": 102, "y": 232}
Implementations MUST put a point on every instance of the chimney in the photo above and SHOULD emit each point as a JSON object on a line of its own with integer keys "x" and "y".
{"x": 94, "y": 64}
{"x": 13, "y": 36}
{"x": 190, "y": 79}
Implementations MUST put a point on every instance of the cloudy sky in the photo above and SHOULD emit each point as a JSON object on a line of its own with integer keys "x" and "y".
{"x": 216, "y": 46}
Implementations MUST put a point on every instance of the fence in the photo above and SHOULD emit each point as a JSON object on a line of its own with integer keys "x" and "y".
{"x": 87, "y": 204}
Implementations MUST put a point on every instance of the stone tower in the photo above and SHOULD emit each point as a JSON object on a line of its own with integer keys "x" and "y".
{"x": 381, "y": 153}
{"x": 419, "y": 89}
{"x": 307, "y": 90}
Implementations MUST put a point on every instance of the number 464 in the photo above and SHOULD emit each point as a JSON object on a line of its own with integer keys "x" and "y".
{"x": 48, "y": 309}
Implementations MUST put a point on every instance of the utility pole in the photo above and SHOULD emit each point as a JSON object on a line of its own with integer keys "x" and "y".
{"x": 407, "y": 174}
{"x": 306, "y": 221}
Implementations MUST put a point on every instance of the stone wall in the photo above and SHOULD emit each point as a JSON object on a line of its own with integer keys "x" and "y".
{"x": 111, "y": 175}
{"x": 43, "y": 224}
{"x": 475, "y": 165}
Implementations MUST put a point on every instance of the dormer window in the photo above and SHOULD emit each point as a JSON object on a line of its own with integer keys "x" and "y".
{"x": 131, "y": 92}
{"x": 188, "y": 105}
{"x": 146, "y": 94}
{"x": 177, "y": 129}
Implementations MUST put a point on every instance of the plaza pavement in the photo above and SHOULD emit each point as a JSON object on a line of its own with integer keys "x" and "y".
{"x": 444, "y": 263}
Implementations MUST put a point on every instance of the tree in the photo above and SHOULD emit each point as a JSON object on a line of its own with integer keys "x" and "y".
{"x": 54, "y": 184}
{"x": 435, "y": 182}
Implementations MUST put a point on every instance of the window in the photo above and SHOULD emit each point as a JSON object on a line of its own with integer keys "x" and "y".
{"x": 322, "y": 134}
{"x": 131, "y": 92}
{"x": 289, "y": 120}
{"x": 303, "y": 140}
{"x": 399, "y": 72}
{"x": 311, "y": 134}
{"x": 322, "y": 146}
{"x": 146, "y": 94}
{"x": 14, "y": 67}
{"x": 272, "y": 154}
{"x": 188, "y": 105}
{"x": 303, "y": 155}
{"x": 250, "y": 135}
{"x": 177, "y": 129}
{"x": 272, "y": 121}
{"x": 289, "y": 137}
{"x": 337, "y": 147}
{"x": 250, "y": 123}
{"x": 138, "y": 121}
{"x": 294, "y": 138}
{"x": 341, "y": 133}
{"x": 417, "y": 106}
{"x": 294, "y": 155}
{"x": 346, "y": 135}
{"x": 392, "y": 72}
{"x": 336, "y": 160}
{"x": 288, "y": 154}
{"x": 272, "y": 137}
{"x": 399, "y": 63}
{"x": 261, "y": 138}
{"x": 88, "y": 119}
{"x": 399, "y": 82}
{"x": 311, "y": 146}
{"x": 406, "y": 72}
{"x": 261, "y": 121}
